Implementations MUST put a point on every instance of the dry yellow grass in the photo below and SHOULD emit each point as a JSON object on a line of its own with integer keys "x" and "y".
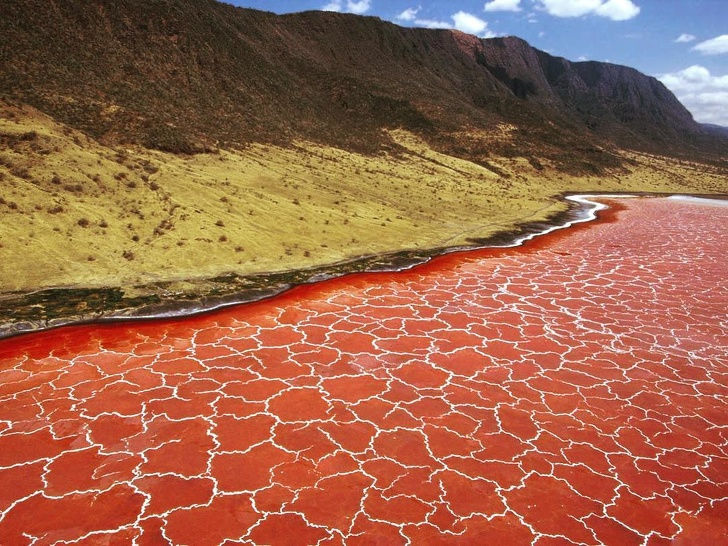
{"x": 77, "y": 213}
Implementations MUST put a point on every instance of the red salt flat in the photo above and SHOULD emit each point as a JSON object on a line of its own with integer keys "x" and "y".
{"x": 573, "y": 389}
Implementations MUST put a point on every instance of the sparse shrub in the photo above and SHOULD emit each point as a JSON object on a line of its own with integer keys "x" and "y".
{"x": 56, "y": 180}
{"x": 135, "y": 238}
{"x": 20, "y": 172}
{"x": 220, "y": 223}
{"x": 83, "y": 222}
{"x": 239, "y": 249}
{"x": 128, "y": 255}
{"x": 103, "y": 224}
{"x": 223, "y": 238}
{"x": 535, "y": 163}
{"x": 169, "y": 139}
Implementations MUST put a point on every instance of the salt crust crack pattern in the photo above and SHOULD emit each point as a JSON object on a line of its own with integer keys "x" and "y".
{"x": 571, "y": 392}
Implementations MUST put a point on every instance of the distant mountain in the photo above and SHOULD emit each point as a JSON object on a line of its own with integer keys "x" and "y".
{"x": 719, "y": 130}
{"x": 187, "y": 75}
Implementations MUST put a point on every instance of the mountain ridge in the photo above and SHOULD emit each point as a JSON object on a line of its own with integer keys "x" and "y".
{"x": 713, "y": 128}
{"x": 189, "y": 76}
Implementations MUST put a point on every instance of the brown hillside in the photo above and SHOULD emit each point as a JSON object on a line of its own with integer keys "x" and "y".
{"x": 189, "y": 75}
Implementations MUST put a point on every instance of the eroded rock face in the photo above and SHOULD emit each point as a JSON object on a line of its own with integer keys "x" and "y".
{"x": 572, "y": 390}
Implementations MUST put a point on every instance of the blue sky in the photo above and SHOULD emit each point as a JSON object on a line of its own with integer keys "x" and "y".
{"x": 683, "y": 42}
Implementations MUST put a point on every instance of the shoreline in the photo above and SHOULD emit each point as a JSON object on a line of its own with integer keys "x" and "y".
{"x": 69, "y": 306}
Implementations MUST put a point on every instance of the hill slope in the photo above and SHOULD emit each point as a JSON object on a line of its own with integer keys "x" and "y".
{"x": 189, "y": 75}
{"x": 718, "y": 130}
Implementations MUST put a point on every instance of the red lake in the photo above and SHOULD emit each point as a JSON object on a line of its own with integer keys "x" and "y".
{"x": 572, "y": 390}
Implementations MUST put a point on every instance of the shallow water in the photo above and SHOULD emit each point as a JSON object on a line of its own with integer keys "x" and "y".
{"x": 574, "y": 388}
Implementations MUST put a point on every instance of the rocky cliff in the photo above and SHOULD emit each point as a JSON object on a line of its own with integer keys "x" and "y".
{"x": 188, "y": 75}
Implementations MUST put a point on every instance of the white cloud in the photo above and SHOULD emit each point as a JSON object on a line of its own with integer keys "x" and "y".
{"x": 714, "y": 46}
{"x": 684, "y": 38}
{"x": 467, "y": 22}
{"x": 462, "y": 20}
{"x": 502, "y": 5}
{"x": 333, "y": 6}
{"x": 432, "y": 23}
{"x": 570, "y": 8}
{"x": 362, "y": 6}
{"x": 705, "y": 95}
{"x": 351, "y": 6}
{"x": 616, "y": 10}
{"x": 410, "y": 14}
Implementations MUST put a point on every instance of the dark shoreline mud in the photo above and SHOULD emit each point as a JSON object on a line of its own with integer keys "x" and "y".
{"x": 23, "y": 313}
